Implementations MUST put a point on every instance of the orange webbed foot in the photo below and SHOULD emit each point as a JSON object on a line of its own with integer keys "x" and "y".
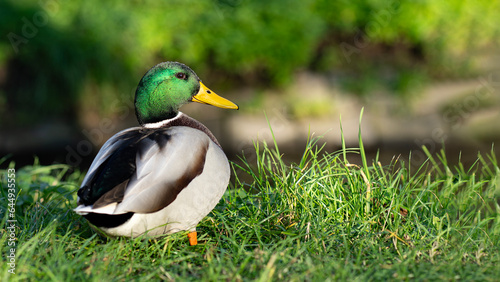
{"x": 193, "y": 238}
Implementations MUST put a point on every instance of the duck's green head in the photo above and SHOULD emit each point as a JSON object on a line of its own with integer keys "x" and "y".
{"x": 166, "y": 87}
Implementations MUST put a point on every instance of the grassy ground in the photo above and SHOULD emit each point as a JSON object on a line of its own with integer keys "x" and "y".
{"x": 321, "y": 218}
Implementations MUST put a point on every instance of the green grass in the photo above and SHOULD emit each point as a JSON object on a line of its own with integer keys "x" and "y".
{"x": 320, "y": 218}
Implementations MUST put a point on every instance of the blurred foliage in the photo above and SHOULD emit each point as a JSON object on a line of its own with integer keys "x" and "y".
{"x": 58, "y": 58}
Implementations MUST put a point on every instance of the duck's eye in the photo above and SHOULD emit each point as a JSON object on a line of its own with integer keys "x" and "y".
{"x": 181, "y": 75}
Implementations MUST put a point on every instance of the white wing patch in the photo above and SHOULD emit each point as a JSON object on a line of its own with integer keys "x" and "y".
{"x": 161, "y": 172}
{"x": 160, "y": 169}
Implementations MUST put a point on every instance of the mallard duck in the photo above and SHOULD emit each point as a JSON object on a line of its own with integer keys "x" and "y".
{"x": 165, "y": 175}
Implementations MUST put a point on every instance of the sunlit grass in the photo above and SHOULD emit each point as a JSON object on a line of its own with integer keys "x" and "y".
{"x": 319, "y": 218}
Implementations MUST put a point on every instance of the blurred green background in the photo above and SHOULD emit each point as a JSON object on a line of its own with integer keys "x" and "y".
{"x": 68, "y": 70}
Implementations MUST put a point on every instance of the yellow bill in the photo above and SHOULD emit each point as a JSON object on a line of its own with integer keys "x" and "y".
{"x": 207, "y": 96}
